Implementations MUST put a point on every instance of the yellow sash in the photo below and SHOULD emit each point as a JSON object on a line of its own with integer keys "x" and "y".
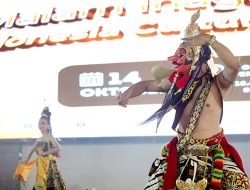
{"x": 42, "y": 163}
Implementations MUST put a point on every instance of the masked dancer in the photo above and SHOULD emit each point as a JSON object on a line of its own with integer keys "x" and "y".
{"x": 199, "y": 157}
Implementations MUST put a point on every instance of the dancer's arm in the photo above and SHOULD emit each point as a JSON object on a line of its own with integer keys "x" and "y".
{"x": 227, "y": 77}
{"x": 140, "y": 87}
{"x": 232, "y": 66}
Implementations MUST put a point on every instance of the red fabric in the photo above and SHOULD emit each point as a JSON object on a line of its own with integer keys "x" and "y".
{"x": 230, "y": 151}
{"x": 171, "y": 76}
{"x": 216, "y": 138}
{"x": 181, "y": 81}
{"x": 171, "y": 174}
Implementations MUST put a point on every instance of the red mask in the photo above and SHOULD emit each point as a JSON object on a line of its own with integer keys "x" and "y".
{"x": 182, "y": 59}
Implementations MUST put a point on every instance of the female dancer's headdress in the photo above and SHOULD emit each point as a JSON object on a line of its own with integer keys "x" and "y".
{"x": 47, "y": 114}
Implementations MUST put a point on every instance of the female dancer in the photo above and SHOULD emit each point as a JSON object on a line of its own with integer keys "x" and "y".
{"x": 48, "y": 176}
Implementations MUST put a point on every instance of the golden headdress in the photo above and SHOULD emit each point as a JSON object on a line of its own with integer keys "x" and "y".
{"x": 193, "y": 30}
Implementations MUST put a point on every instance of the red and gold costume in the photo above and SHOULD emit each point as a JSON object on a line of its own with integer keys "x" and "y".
{"x": 187, "y": 163}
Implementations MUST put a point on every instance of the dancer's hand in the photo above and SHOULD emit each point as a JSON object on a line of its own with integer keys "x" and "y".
{"x": 123, "y": 98}
{"x": 198, "y": 40}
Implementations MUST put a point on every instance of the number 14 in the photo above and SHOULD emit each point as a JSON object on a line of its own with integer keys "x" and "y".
{"x": 132, "y": 77}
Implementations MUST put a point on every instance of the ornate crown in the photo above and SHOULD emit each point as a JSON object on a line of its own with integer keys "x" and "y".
{"x": 192, "y": 30}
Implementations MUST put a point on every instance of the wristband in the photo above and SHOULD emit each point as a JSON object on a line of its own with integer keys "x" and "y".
{"x": 212, "y": 40}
